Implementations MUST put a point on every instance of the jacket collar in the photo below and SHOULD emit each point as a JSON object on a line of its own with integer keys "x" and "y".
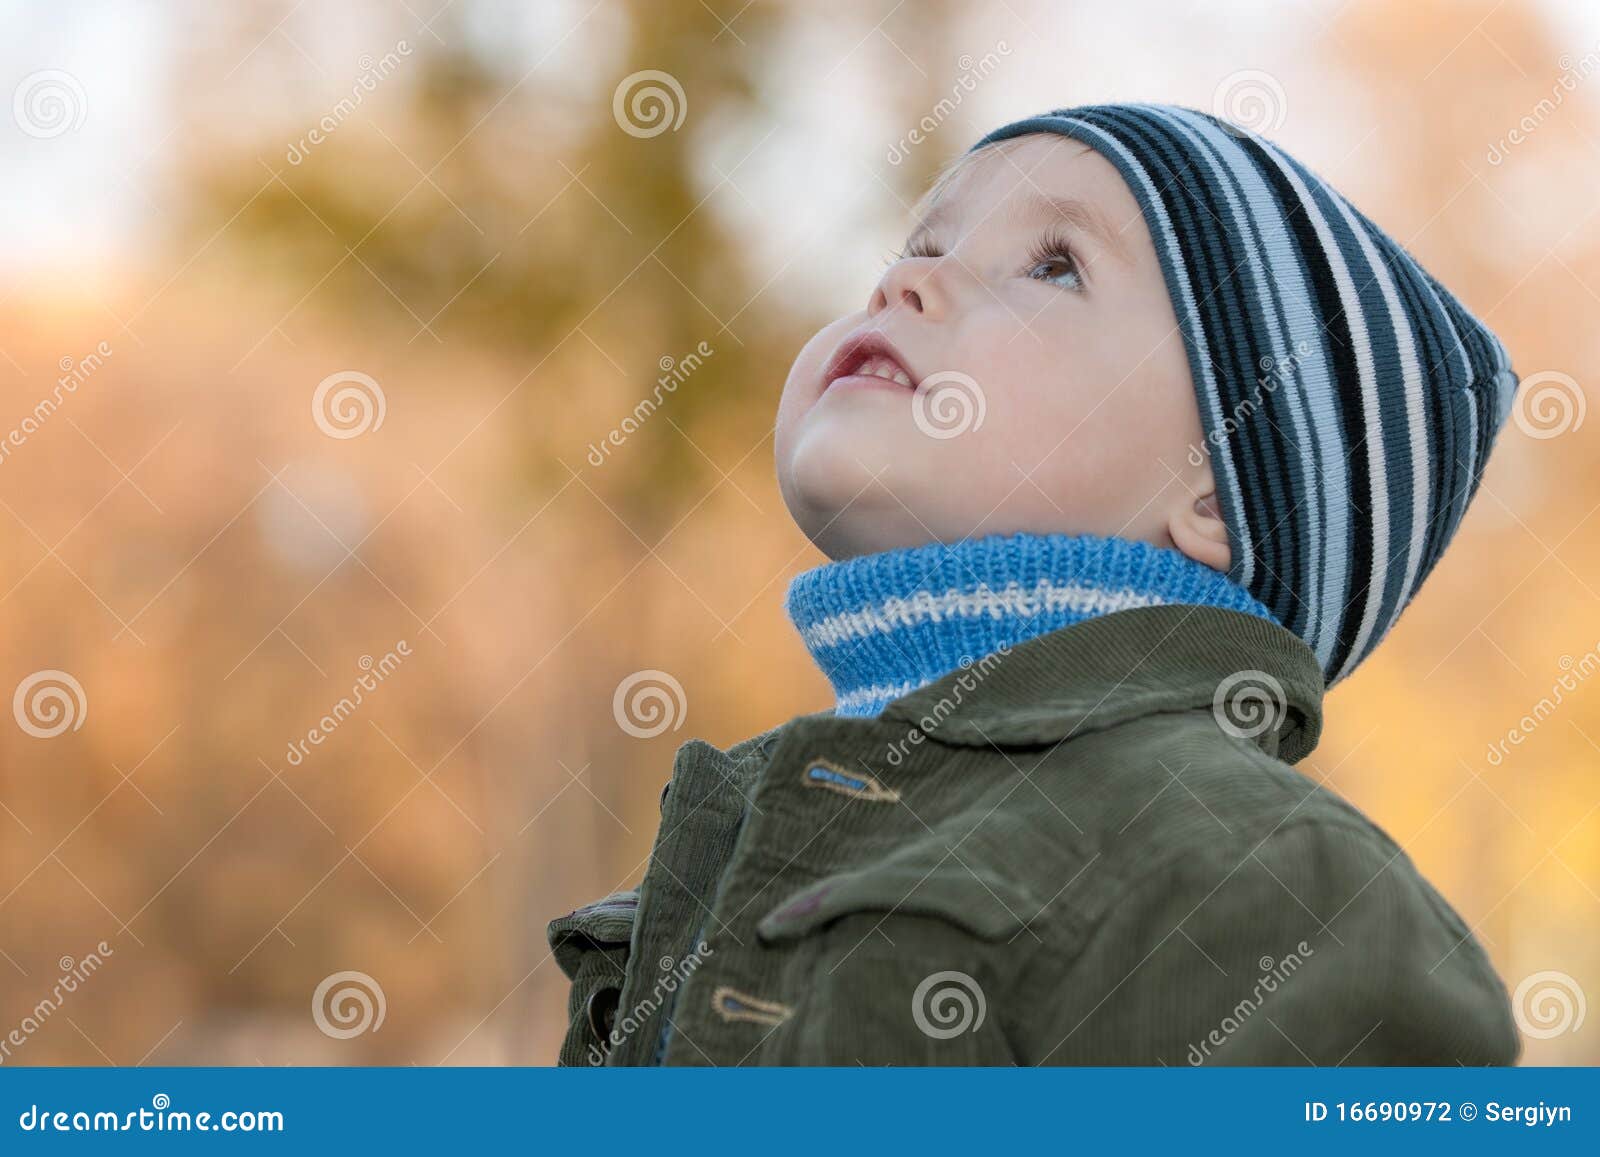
{"x": 1262, "y": 681}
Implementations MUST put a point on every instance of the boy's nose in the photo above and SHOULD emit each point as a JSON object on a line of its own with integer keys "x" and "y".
{"x": 909, "y": 284}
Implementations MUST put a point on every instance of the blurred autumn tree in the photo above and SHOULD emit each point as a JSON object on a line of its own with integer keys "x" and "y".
{"x": 470, "y": 204}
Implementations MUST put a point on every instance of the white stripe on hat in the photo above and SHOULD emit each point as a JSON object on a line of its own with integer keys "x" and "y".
{"x": 1371, "y": 409}
{"x": 1411, "y": 381}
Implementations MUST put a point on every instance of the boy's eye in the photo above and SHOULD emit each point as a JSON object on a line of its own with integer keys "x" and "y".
{"x": 1052, "y": 261}
{"x": 1059, "y": 270}
{"x": 918, "y": 247}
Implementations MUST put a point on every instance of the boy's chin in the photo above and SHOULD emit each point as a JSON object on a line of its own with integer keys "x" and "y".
{"x": 829, "y": 465}
{"x": 855, "y": 533}
{"x": 850, "y": 513}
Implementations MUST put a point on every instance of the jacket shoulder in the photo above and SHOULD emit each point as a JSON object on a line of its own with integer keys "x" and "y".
{"x": 1171, "y": 785}
{"x": 1315, "y": 942}
{"x": 1168, "y": 839}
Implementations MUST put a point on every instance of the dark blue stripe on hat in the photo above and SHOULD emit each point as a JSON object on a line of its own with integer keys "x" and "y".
{"x": 1356, "y": 548}
{"x": 1431, "y": 351}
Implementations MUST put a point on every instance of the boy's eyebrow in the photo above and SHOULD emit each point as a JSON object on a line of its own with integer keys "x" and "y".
{"x": 1035, "y": 206}
{"x": 1078, "y": 213}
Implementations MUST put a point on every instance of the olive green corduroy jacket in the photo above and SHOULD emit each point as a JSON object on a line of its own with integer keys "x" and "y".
{"x": 1068, "y": 854}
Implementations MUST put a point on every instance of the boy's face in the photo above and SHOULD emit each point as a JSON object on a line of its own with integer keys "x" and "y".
{"x": 1054, "y": 395}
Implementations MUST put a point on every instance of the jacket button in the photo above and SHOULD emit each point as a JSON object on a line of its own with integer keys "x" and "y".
{"x": 602, "y": 1011}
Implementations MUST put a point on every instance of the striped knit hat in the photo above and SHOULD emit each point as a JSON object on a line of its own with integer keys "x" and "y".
{"x": 1349, "y": 401}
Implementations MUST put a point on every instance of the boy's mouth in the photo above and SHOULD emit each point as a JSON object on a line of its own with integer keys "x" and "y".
{"x": 869, "y": 359}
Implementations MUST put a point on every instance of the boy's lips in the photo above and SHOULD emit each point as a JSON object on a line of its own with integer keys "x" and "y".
{"x": 868, "y": 358}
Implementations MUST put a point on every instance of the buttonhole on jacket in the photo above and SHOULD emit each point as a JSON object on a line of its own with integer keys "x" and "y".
{"x": 858, "y": 784}
{"x": 731, "y": 1004}
{"x": 803, "y": 905}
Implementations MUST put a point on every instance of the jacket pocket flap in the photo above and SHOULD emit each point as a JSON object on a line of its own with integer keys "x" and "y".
{"x": 986, "y": 906}
{"x": 607, "y": 921}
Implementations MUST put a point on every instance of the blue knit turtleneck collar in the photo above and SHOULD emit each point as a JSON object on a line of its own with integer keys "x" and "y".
{"x": 882, "y": 625}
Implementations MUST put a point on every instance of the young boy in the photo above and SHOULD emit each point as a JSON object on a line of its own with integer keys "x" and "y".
{"x": 1146, "y": 439}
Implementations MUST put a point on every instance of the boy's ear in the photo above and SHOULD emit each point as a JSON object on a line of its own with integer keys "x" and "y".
{"x": 1197, "y": 529}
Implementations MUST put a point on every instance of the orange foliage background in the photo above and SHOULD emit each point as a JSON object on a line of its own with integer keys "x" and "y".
{"x": 482, "y": 239}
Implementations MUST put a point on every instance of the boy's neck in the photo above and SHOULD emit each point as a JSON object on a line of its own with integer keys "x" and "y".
{"x": 882, "y": 625}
